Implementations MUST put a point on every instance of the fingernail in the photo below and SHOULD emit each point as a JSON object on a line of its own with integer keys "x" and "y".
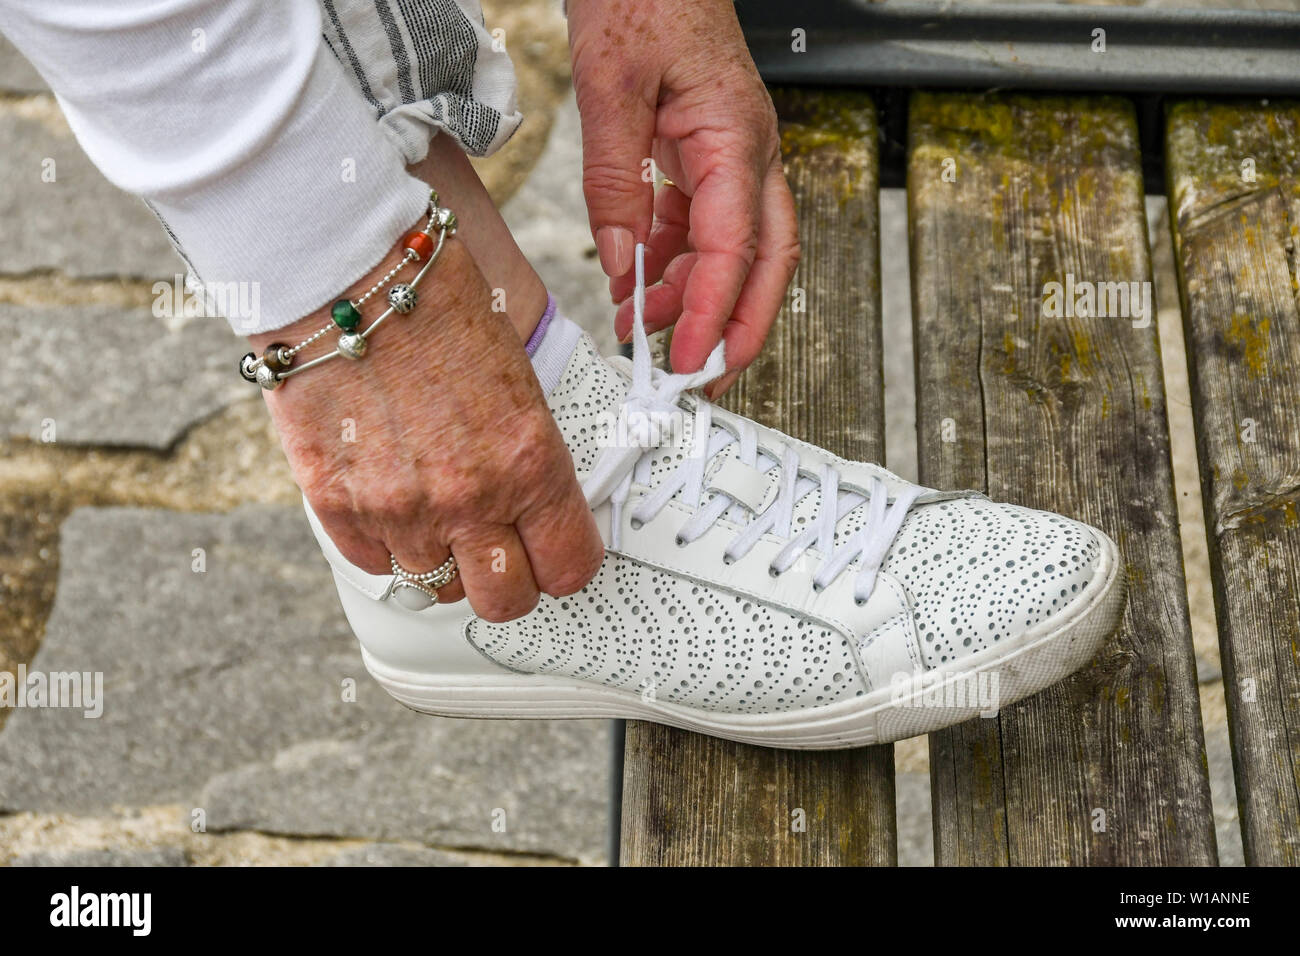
{"x": 614, "y": 246}
{"x": 625, "y": 337}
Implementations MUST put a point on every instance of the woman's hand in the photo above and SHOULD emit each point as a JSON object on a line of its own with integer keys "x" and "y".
{"x": 673, "y": 80}
{"x": 439, "y": 439}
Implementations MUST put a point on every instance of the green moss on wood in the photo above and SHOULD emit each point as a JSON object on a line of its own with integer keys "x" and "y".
{"x": 1093, "y": 130}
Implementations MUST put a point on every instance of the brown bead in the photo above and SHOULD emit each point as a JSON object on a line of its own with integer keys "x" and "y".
{"x": 271, "y": 357}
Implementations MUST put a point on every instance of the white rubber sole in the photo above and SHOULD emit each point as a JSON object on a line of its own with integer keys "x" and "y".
{"x": 1012, "y": 670}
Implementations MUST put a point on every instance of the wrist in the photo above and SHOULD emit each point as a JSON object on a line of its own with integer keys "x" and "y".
{"x": 417, "y": 254}
{"x": 313, "y": 322}
{"x": 453, "y": 313}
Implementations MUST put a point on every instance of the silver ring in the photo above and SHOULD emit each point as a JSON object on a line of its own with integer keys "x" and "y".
{"x": 418, "y": 591}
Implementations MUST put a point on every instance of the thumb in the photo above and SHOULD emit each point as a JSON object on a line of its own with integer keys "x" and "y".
{"x": 618, "y": 121}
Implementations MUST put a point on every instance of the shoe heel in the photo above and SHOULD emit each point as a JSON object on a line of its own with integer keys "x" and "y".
{"x": 429, "y": 642}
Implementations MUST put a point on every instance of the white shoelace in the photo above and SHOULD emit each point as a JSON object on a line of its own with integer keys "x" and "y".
{"x": 652, "y": 399}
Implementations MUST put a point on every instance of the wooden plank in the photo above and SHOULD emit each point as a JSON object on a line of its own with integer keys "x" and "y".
{"x": 1234, "y": 174}
{"x": 1066, "y": 414}
{"x": 690, "y": 799}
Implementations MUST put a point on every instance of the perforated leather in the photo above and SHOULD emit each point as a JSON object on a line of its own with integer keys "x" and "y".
{"x": 673, "y": 622}
{"x": 974, "y": 571}
{"x": 645, "y": 630}
{"x": 585, "y": 403}
{"x": 977, "y": 571}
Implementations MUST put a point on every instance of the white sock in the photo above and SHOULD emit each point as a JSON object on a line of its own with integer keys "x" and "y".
{"x": 551, "y": 346}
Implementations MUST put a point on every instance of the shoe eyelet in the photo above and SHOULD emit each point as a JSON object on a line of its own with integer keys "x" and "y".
{"x": 817, "y": 588}
{"x": 773, "y": 572}
{"x": 636, "y": 524}
{"x": 859, "y": 602}
{"x": 681, "y": 542}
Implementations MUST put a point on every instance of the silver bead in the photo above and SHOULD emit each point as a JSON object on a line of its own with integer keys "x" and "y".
{"x": 402, "y": 297}
{"x": 413, "y": 597}
{"x": 444, "y": 218}
{"x": 352, "y": 345}
{"x": 266, "y": 378}
{"x": 246, "y": 368}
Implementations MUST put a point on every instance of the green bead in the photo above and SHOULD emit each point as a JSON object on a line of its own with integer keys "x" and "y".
{"x": 345, "y": 315}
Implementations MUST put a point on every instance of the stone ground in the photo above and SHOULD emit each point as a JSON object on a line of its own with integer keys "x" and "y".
{"x": 132, "y": 514}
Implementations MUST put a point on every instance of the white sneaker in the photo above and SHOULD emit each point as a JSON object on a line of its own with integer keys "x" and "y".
{"x": 734, "y": 600}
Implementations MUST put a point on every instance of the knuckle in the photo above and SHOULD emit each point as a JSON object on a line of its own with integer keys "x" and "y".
{"x": 789, "y": 254}
{"x": 332, "y": 504}
{"x": 532, "y": 450}
{"x": 573, "y": 579}
{"x": 603, "y": 178}
{"x": 397, "y": 503}
{"x": 363, "y": 557}
{"x": 462, "y": 494}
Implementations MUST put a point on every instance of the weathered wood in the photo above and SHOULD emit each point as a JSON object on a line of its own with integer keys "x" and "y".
{"x": 690, "y": 799}
{"x": 1234, "y": 174}
{"x": 1066, "y": 414}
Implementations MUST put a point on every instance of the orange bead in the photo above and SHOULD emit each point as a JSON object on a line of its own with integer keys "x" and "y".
{"x": 420, "y": 244}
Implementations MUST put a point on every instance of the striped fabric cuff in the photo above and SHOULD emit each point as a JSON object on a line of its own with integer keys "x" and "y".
{"x": 287, "y": 224}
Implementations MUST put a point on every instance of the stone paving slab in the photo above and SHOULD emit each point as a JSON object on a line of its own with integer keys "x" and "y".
{"x": 224, "y": 689}
{"x": 469, "y": 784}
{"x": 162, "y": 856}
{"x": 80, "y": 224}
{"x": 111, "y": 376}
{"x": 389, "y": 854}
{"x": 16, "y": 74}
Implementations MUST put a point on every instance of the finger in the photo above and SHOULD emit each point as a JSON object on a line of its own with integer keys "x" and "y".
{"x": 495, "y": 573}
{"x": 724, "y": 231}
{"x": 769, "y": 278}
{"x": 415, "y": 550}
{"x": 418, "y": 553}
{"x": 367, "y": 553}
{"x": 668, "y": 158}
{"x": 618, "y": 119}
{"x": 667, "y": 241}
{"x": 563, "y": 545}
{"x": 716, "y": 389}
{"x": 663, "y": 302}
{"x": 453, "y": 592}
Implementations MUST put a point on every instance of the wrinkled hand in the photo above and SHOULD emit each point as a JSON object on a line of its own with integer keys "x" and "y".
{"x": 673, "y": 80}
{"x": 439, "y": 438}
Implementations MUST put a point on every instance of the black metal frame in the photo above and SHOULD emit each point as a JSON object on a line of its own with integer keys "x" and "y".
{"x": 893, "y": 48}
{"x": 1040, "y": 46}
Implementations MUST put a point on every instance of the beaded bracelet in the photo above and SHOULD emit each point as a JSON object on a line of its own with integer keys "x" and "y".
{"x": 274, "y": 366}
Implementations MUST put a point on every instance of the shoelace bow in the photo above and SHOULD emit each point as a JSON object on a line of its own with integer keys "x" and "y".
{"x": 652, "y": 401}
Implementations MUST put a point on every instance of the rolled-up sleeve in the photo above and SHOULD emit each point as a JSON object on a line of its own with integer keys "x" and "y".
{"x": 237, "y": 124}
